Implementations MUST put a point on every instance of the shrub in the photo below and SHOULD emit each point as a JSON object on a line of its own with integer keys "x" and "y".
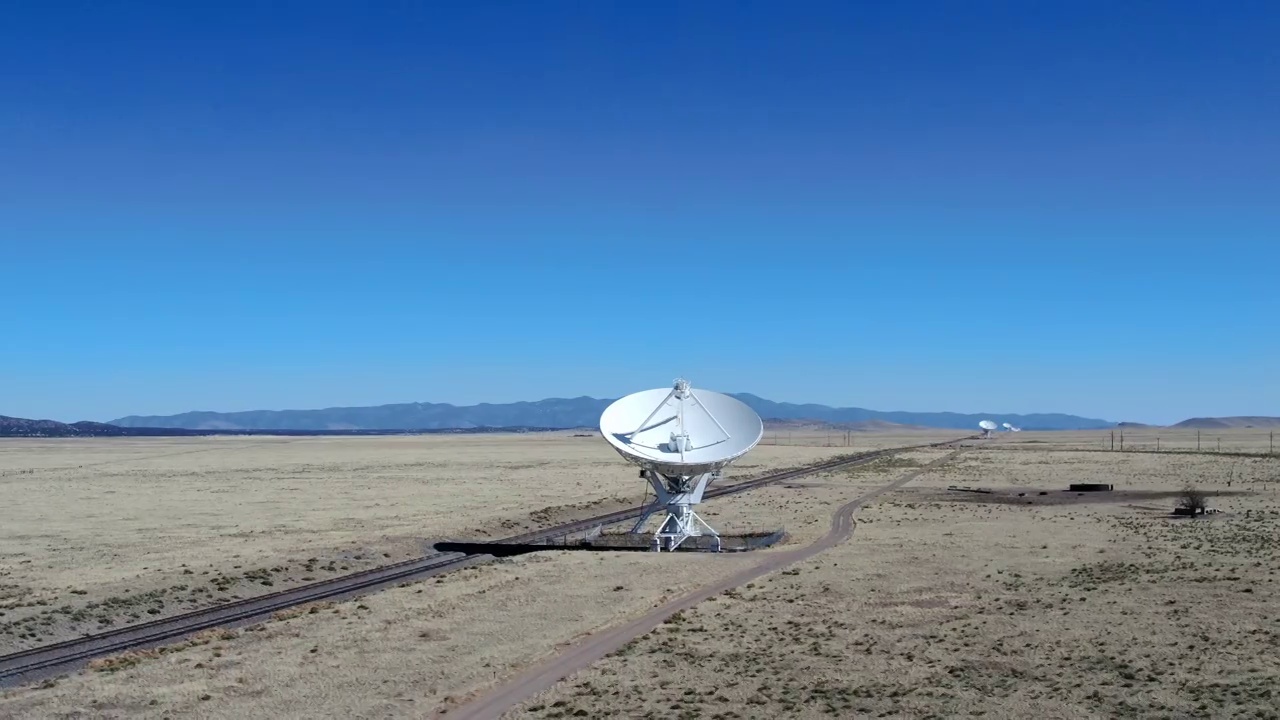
{"x": 1193, "y": 500}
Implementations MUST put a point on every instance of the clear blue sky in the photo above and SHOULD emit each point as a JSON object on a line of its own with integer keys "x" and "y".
{"x": 970, "y": 206}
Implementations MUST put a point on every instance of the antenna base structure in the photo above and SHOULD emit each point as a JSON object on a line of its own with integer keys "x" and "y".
{"x": 677, "y": 494}
{"x": 681, "y": 440}
{"x": 988, "y": 426}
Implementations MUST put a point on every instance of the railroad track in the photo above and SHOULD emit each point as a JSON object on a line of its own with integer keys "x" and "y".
{"x": 53, "y": 659}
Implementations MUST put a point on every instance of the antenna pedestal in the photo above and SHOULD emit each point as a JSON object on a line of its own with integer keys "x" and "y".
{"x": 677, "y": 494}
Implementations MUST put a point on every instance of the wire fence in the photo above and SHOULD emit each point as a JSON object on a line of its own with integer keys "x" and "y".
{"x": 835, "y": 438}
{"x": 1261, "y": 442}
{"x": 1254, "y": 443}
{"x": 1231, "y": 441}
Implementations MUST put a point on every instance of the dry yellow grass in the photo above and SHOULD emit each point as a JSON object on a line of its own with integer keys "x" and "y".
{"x": 943, "y": 604}
{"x": 1234, "y": 440}
{"x": 98, "y": 533}
{"x": 413, "y": 649}
{"x": 946, "y": 605}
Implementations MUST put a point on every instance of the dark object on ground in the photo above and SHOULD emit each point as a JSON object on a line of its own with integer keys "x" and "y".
{"x": 617, "y": 542}
{"x": 1161, "y": 500}
{"x": 1091, "y": 487}
{"x": 1191, "y": 502}
{"x": 966, "y": 488}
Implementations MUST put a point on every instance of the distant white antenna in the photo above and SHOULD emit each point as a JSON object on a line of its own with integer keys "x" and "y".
{"x": 682, "y": 440}
{"x": 987, "y": 426}
{"x": 1011, "y": 428}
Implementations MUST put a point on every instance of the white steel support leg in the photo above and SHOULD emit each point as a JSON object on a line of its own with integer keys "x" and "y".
{"x": 663, "y": 498}
{"x": 681, "y": 524}
{"x": 644, "y": 518}
{"x": 677, "y": 495}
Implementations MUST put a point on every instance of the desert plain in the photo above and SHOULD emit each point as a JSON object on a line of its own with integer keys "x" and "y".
{"x": 941, "y": 604}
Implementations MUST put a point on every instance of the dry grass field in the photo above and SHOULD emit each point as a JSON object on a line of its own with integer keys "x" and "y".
{"x": 413, "y": 649}
{"x": 104, "y": 532}
{"x": 1259, "y": 441}
{"x": 942, "y": 604}
{"x": 947, "y": 605}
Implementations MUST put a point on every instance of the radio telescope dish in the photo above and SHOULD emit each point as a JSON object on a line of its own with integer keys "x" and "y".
{"x": 682, "y": 440}
{"x": 1006, "y": 426}
{"x": 679, "y": 432}
{"x": 987, "y": 426}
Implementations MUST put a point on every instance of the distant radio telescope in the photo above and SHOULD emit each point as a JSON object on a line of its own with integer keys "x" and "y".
{"x": 987, "y": 427}
{"x": 682, "y": 440}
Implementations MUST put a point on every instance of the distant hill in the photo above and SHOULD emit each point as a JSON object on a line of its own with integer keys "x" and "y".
{"x": 562, "y": 413}
{"x": 819, "y": 425}
{"x": 1225, "y": 423}
{"x": 22, "y": 427}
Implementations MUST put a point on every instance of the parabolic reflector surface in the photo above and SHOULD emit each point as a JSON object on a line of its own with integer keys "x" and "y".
{"x": 716, "y": 430}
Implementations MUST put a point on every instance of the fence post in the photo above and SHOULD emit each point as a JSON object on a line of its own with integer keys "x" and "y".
{"x": 1121, "y": 441}
{"x": 1272, "y": 451}
{"x": 1219, "y": 444}
{"x": 1157, "y": 443}
{"x": 1113, "y": 439}
{"x": 1197, "y": 441}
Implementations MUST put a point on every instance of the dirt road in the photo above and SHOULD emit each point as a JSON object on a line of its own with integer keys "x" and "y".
{"x": 588, "y": 650}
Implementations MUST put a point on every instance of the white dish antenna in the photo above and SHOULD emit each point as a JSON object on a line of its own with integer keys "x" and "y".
{"x": 987, "y": 426}
{"x": 1011, "y": 428}
{"x": 682, "y": 440}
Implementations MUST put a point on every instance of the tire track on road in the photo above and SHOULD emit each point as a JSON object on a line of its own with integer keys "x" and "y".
{"x": 587, "y": 651}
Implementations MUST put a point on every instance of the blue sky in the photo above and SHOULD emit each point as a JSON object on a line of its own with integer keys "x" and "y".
{"x": 1004, "y": 207}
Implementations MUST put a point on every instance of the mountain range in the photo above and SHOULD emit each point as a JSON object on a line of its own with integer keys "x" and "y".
{"x": 1223, "y": 423}
{"x": 551, "y": 414}
{"x": 561, "y": 413}
{"x": 23, "y": 427}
